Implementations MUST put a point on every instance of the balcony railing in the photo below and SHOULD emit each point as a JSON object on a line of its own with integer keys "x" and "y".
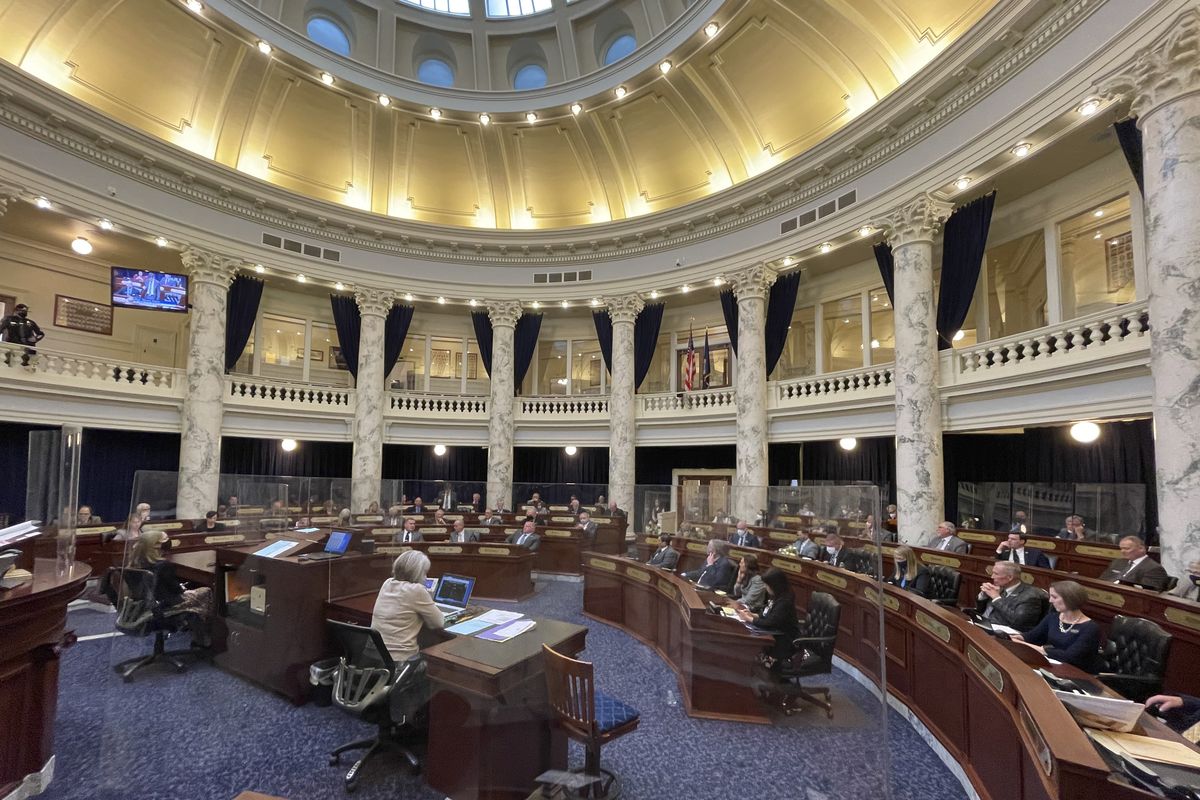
{"x": 707, "y": 401}
{"x": 56, "y": 367}
{"x": 437, "y": 405}
{"x": 850, "y": 384}
{"x": 559, "y": 407}
{"x": 245, "y": 389}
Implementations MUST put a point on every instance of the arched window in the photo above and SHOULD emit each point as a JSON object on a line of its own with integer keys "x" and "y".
{"x": 435, "y": 72}
{"x": 622, "y": 46}
{"x": 530, "y": 76}
{"x": 329, "y": 34}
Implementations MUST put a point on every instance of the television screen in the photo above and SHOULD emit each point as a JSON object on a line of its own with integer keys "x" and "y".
{"x": 141, "y": 288}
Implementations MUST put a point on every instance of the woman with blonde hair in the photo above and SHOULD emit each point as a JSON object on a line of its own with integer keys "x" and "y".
{"x": 909, "y": 573}
{"x": 168, "y": 591}
{"x": 404, "y": 605}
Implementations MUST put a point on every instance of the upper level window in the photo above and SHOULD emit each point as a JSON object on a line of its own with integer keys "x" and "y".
{"x": 530, "y": 76}
{"x": 436, "y": 72}
{"x": 516, "y": 8}
{"x": 329, "y": 34}
{"x": 622, "y": 46}
{"x": 459, "y": 7}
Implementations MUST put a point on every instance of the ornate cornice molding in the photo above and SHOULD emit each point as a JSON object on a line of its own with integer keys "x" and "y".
{"x": 204, "y": 266}
{"x": 624, "y": 308}
{"x": 373, "y": 302}
{"x": 752, "y": 283}
{"x": 918, "y": 220}
{"x": 504, "y": 313}
{"x": 1163, "y": 72}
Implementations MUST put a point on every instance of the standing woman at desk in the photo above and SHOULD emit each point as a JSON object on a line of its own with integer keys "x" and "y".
{"x": 779, "y": 617}
{"x": 1066, "y": 634}
{"x": 404, "y": 605}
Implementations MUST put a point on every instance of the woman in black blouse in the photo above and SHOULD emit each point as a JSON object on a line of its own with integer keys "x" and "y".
{"x": 1066, "y": 634}
{"x": 779, "y": 617}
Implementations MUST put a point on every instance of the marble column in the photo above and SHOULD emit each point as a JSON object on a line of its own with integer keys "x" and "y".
{"x": 622, "y": 417}
{"x": 366, "y": 471}
{"x": 503, "y": 315}
{"x": 920, "y": 493}
{"x": 209, "y": 276}
{"x": 750, "y": 287}
{"x": 1164, "y": 83}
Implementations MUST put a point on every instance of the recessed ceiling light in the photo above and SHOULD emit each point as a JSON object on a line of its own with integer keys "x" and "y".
{"x": 1085, "y": 432}
{"x": 326, "y": 79}
{"x": 565, "y": 304}
{"x": 260, "y": 269}
{"x": 339, "y": 286}
{"x": 408, "y": 298}
{"x": 685, "y": 288}
{"x": 576, "y": 109}
{"x": 536, "y": 304}
{"x": 865, "y": 231}
{"x": 826, "y": 247}
{"x": 654, "y": 294}
{"x": 194, "y": 5}
{"x": 664, "y": 67}
{"x": 441, "y": 301}
{"x": 960, "y": 335}
{"x": 711, "y": 29}
{"x": 595, "y": 302}
{"x": 474, "y": 302}
{"x": 1022, "y": 149}
{"x": 161, "y": 241}
{"x": 717, "y": 281}
{"x": 485, "y": 119}
{"x": 301, "y": 279}
{"x": 1099, "y": 212}
{"x": 43, "y": 203}
{"x": 436, "y": 113}
{"x": 106, "y": 225}
{"x": 788, "y": 261}
{"x": 620, "y": 92}
{"x": 81, "y": 245}
{"x": 962, "y": 183}
{"x": 264, "y": 47}
{"x": 1089, "y": 107}
{"x": 384, "y": 100}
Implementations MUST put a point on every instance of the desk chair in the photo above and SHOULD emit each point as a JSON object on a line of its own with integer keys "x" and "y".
{"x": 140, "y": 614}
{"x": 1135, "y": 657}
{"x": 813, "y": 654}
{"x": 943, "y": 585}
{"x": 588, "y": 715}
{"x": 369, "y": 683}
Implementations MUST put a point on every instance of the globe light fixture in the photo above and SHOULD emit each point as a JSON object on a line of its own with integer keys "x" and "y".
{"x": 1085, "y": 432}
{"x": 288, "y": 445}
{"x": 439, "y": 449}
{"x": 848, "y": 443}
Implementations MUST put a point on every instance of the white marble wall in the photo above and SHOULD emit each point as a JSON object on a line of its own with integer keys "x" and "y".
{"x": 1163, "y": 81}
{"x": 504, "y": 316}
{"x": 209, "y": 277}
{"x": 622, "y": 426}
{"x": 920, "y": 492}
{"x": 751, "y": 287}
{"x": 366, "y": 469}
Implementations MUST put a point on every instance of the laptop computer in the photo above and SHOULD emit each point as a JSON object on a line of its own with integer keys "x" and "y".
{"x": 452, "y": 595}
{"x": 334, "y": 548}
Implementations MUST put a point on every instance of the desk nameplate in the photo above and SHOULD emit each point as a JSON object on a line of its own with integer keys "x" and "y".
{"x": 668, "y": 588}
{"x": 514, "y": 530}
{"x": 323, "y": 520}
{"x": 786, "y": 565}
{"x": 654, "y": 540}
{"x": 938, "y": 629}
{"x": 976, "y": 537}
{"x": 226, "y": 538}
{"x": 1039, "y": 741}
{"x": 486, "y": 550}
{"x": 163, "y": 526}
{"x": 984, "y": 667}
{"x": 1038, "y": 544}
{"x": 391, "y": 549}
{"x": 369, "y": 518}
{"x": 444, "y": 549}
{"x": 600, "y": 563}
{"x": 551, "y": 534}
{"x": 782, "y": 536}
{"x": 831, "y": 579}
{"x": 1093, "y": 550}
{"x": 1106, "y": 597}
{"x": 875, "y": 597}
{"x": 698, "y": 547}
{"x": 945, "y": 561}
{"x": 562, "y": 519}
{"x": 1188, "y": 619}
{"x": 638, "y": 574}
{"x": 95, "y": 529}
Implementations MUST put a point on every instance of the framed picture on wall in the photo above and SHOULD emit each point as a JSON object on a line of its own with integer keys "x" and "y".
{"x": 7, "y": 303}
{"x": 439, "y": 364}
{"x": 1118, "y": 261}
{"x": 335, "y": 358}
{"x": 472, "y": 365}
{"x": 594, "y": 368}
{"x": 82, "y": 315}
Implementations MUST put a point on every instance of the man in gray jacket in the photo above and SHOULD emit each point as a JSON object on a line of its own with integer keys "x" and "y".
{"x": 665, "y": 556}
{"x": 947, "y": 541}
{"x": 1007, "y": 600}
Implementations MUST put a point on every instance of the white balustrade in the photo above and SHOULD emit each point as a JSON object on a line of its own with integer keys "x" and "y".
{"x": 555, "y": 407}
{"x": 258, "y": 391}
{"x": 437, "y": 405}
{"x": 71, "y": 369}
{"x": 705, "y": 401}
{"x": 855, "y": 383}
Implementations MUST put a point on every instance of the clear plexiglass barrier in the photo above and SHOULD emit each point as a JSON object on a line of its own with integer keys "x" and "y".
{"x": 1106, "y": 511}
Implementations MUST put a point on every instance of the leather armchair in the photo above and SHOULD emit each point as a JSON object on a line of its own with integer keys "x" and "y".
{"x": 1135, "y": 657}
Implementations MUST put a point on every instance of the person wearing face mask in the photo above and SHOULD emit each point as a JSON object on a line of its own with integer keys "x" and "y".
{"x": 834, "y": 553}
{"x": 1189, "y": 587}
{"x": 909, "y": 573}
{"x": 18, "y": 328}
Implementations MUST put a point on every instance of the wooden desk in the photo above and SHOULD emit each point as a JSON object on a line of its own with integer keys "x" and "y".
{"x": 33, "y": 619}
{"x": 1069, "y": 555}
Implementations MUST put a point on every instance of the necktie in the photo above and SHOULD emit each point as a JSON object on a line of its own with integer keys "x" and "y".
{"x": 521, "y": 541}
{"x": 408, "y": 536}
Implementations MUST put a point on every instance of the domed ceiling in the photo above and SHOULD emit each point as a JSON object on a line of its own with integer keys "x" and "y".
{"x": 777, "y": 78}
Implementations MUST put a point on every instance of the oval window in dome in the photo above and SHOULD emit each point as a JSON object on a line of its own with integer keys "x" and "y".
{"x": 435, "y": 72}
{"x": 328, "y": 34}
{"x": 530, "y": 76}
{"x": 622, "y": 46}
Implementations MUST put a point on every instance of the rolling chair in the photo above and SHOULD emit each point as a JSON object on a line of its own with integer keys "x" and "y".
{"x": 943, "y": 585}
{"x": 587, "y": 715}
{"x": 369, "y": 683}
{"x": 1172, "y": 582}
{"x": 813, "y": 654}
{"x": 140, "y": 614}
{"x": 1135, "y": 657}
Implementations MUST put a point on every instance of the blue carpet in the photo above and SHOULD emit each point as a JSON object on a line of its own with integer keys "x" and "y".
{"x": 206, "y": 734}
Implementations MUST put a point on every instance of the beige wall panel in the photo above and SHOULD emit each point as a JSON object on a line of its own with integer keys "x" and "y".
{"x": 21, "y": 22}
{"x": 453, "y": 193}
{"x": 871, "y": 57}
{"x": 667, "y": 163}
{"x": 932, "y": 20}
{"x": 553, "y": 183}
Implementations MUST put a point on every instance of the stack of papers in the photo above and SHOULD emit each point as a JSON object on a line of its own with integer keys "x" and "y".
{"x": 506, "y": 632}
{"x": 1147, "y": 748}
{"x": 1103, "y": 713}
{"x": 497, "y": 626}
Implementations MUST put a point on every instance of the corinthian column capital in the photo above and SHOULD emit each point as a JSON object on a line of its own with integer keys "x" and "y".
{"x": 918, "y": 220}
{"x": 504, "y": 313}
{"x": 624, "y": 308}
{"x": 752, "y": 282}
{"x": 1165, "y": 70}
{"x": 374, "y": 302}
{"x": 205, "y": 266}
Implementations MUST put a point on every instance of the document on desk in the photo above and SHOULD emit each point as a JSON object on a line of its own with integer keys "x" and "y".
{"x": 1148, "y": 748}
{"x": 1104, "y": 713}
{"x": 277, "y": 548}
{"x": 474, "y": 625}
{"x": 506, "y": 632}
{"x": 498, "y": 617}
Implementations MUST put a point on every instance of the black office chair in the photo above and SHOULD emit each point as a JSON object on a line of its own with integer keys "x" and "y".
{"x": 813, "y": 655}
{"x": 140, "y": 614}
{"x": 1172, "y": 582}
{"x": 369, "y": 683}
{"x": 1135, "y": 657}
{"x": 943, "y": 585}
{"x": 861, "y": 561}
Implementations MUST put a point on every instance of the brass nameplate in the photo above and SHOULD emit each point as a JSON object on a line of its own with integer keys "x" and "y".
{"x": 250, "y": 509}
{"x": 1106, "y": 597}
{"x": 738, "y": 554}
{"x": 176, "y": 542}
{"x": 793, "y": 519}
{"x": 831, "y": 579}
{"x": 827, "y": 522}
{"x": 1189, "y": 619}
{"x": 1039, "y": 741}
{"x": 703, "y": 526}
{"x": 391, "y": 549}
{"x": 231, "y": 523}
{"x": 485, "y": 550}
{"x": 1093, "y": 550}
{"x": 369, "y": 518}
{"x": 600, "y": 563}
{"x": 787, "y": 565}
{"x": 163, "y": 526}
{"x": 856, "y": 525}
{"x": 557, "y": 534}
{"x": 387, "y": 530}
{"x": 888, "y": 602}
{"x": 562, "y": 519}
{"x": 654, "y": 540}
{"x": 296, "y": 509}
{"x": 1027, "y": 577}
{"x": 930, "y": 624}
{"x": 225, "y": 538}
{"x": 976, "y": 537}
{"x": 668, "y": 588}
{"x": 945, "y": 561}
{"x": 452, "y": 517}
{"x": 323, "y": 520}
{"x": 443, "y": 549}
{"x": 602, "y": 520}
{"x": 638, "y": 574}
{"x": 95, "y": 529}
{"x": 513, "y": 530}
{"x": 698, "y": 547}
{"x": 1039, "y": 544}
{"x": 780, "y": 536}
{"x": 985, "y": 668}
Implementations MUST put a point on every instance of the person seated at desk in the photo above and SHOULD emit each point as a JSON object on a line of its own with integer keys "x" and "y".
{"x": 133, "y": 525}
{"x": 1135, "y": 566}
{"x": 476, "y": 502}
{"x": 1180, "y": 713}
{"x": 277, "y": 511}
{"x": 805, "y": 546}
{"x": 404, "y": 605}
{"x": 459, "y": 534}
{"x": 834, "y": 553}
{"x": 344, "y": 517}
{"x": 1066, "y": 634}
{"x": 168, "y": 591}
{"x": 614, "y": 511}
{"x": 721, "y": 518}
{"x": 527, "y": 538}
{"x": 418, "y": 506}
{"x": 394, "y": 518}
{"x": 573, "y": 506}
{"x": 778, "y": 617}
{"x": 743, "y": 537}
{"x": 1020, "y": 523}
{"x": 909, "y": 574}
{"x": 328, "y": 509}
{"x": 945, "y": 539}
{"x": 665, "y": 557}
{"x": 1189, "y": 587}
{"x": 749, "y": 587}
{"x": 1013, "y": 549}
{"x": 587, "y": 526}
{"x": 231, "y": 508}
{"x": 490, "y": 518}
{"x": 210, "y": 523}
{"x": 411, "y": 532}
{"x": 439, "y": 516}
{"x": 1007, "y": 600}
{"x": 718, "y": 571}
{"x": 1075, "y": 529}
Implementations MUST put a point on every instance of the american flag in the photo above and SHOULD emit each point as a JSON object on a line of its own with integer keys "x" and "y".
{"x": 689, "y": 364}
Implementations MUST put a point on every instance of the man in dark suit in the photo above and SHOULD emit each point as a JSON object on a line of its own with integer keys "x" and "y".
{"x": 527, "y": 538}
{"x": 834, "y": 553}
{"x": 947, "y": 541}
{"x": 1020, "y": 524}
{"x": 446, "y": 498}
{"x": 1007, "y": 600}
{"x": 743, "y": 537}
{"x": 394, "y": 518}
{"x": 1013, "y": 549}
{"x": 418, "y": 506}
{"x": 410, "y": 533}
{"x": 1135, "y": 566}
{"x": 490, "y": 517}
{"x": 665, "y": 557}
{"x": 459, "y": 533}
{"x": 718, "y": 571}
{"x": 476, "y": 502}
{"x": 587, "y": 526}
{"x": 614, "y": 511}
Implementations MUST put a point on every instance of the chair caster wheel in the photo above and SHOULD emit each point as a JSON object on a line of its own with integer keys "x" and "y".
{"x": 335, "y": 760}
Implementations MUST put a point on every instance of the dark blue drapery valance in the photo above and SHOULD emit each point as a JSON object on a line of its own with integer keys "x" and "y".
{"x": 483, "y": 335}
{"x": 348, "y": 323}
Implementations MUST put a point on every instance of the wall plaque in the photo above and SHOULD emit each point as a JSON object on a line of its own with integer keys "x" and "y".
{"x": 82, "y": 315}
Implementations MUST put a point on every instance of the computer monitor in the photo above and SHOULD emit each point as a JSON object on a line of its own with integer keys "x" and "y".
{"x": 338, "y": 542}
{"x": 454, "y": 590}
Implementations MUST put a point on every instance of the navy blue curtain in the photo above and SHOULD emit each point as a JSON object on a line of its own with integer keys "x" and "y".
{"x": 483, "y": 335}
{"x": 246, "y": 456}
{"x": 241, "y": 307}
{"x": 603, "y": 324}
{"x": 872, "y": 461}
{"x": 14, "y": 465}
{"x": 780, "y": 306}
{"x": 524, "y": 341}
{"x": 887, "y": 269}
{"x": 549, "y": 466}
{"x": 645, "y": 339}
{"x": 348, "y": 324}
{"x": 109, "y": 460}
{"x": 418, "y": 463}
{"x": 962, "y": 256}
{"x": 1131, "y": 145}
{"x": 729, "y": 309}
{"x": 394, "y": 332}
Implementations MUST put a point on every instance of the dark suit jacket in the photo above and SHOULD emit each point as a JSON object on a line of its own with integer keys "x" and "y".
{"x": 1033, "y": 558}
{"x": 749, "y": 540}
{"x": 838, "y": 559}
{"x": 416, "y": 537}
{"x": 589, "y": 530}
{"x": 1020, "y": 607}
{"x": 1148, "y": 573}
{"x": 719, "y": 575}
{"x": 532, "y": 543}
{"x": 617, "y": 512}
{"x": 495, "y": 519}
{"x": 392, "y": 522}
{"x": 780, "y": 617}
{"x": 468, "y": 536}
{"x": 666, "y": 557}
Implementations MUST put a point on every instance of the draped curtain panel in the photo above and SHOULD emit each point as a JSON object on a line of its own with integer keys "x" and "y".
{"x": 547, "y": 466}
{"x": 783, "y": 462}
{"x": 241, "y": 309}
{"x": 14, "y": 465}
{"x": 603, "y": 323}
{"x": 348, "y": 323}
{"x": 483, "y": 335}
{"x": 109, "y": 461}
{"x": 730, "y": 311}
{"x": 394, "y": 333}
{"x": 780, "y": 306}
{"x": 43, "y": 477}
{"x": 873, "y": 461}
{"x": 645, "y": 340}
{"x": 524, "y": 342}
{"x": 1131, "y": 145}
{"x": 418, "y": 463}
{"x": 962, "y": 256}
{"x": 654, "y": 463}
{"x": 887, "y": 269}
{"x": 246, "y": 456}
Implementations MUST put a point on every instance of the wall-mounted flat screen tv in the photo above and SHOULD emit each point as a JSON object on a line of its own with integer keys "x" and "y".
{"x": 143, "y": 288}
